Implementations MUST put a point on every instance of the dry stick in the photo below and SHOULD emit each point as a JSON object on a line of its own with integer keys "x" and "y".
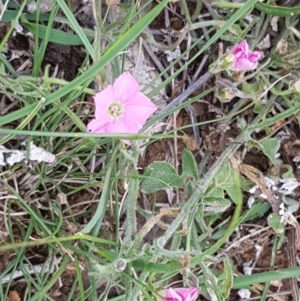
{"x": 185, "y": 94}
{"x": 200, "y": 67}
{"x": 156, "y": 61}
{"x": 291, "y": 252}
{"x": 47, "y": 267}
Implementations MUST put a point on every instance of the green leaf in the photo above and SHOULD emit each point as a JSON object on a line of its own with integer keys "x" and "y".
{"x": 292, "y": 205}
{"x": 232, "y": 187}
{"x": 244, "y": 281}
{"x": 274, "y": 221}
{"x": 222, "y": 175}
{"x": 216, "y": 204}
{"x": 215, "y": 192}
{"x": 10, "y": 15}
{"x": 212, "y": 285}
{"x": 256, "y": 210}
{"x": 56, "y": 36}
{"x": 227, "y": 283}
{"x": 189, "y": 166}
{"x": 251, "y": 88}
{"x": 76, "y": 27}
{"x": 289, "y": 171}
{"x": 160, "y": 175}
{"x": 270, "y": 147}
{"x": 226, "y": 180}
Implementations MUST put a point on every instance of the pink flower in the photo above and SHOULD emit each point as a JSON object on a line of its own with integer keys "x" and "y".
{"x": 121, "y": 108}
{"x": 243, "y": 59}
{"x": 179, "y": 294}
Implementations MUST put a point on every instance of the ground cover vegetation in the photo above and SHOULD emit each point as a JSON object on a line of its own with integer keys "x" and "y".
{"x": 149, "y": 150}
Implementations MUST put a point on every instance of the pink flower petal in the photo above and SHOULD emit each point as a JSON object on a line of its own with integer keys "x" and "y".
{"x": 244, "y": 59}
{"x": 255, "y": 56}
{"x": 243, "y": 47}
{"x": 123, "y": 125}
{"x": 98, "y": 125}
{"x": 179, "y": 294}
{"x": 125, "y": 87}
{"x": 102, "y": 101}
{"x": 243, "y": 65}
{"x": 139, "y": 108}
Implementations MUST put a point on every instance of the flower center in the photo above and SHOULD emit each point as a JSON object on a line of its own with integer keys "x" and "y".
{"x": 116, "y": 110}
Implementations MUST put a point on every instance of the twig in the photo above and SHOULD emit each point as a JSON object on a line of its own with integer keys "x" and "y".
{"x": 47, "y": 267}
{"x": 185, "y": 94}
{"x": 156, "y": 61}
{"x": 291, "y": 252}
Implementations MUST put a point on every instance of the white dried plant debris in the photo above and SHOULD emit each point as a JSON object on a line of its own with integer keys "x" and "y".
{"x": 277, "y": 155}
{"x": 170, "y": 193}
{"x": 244, "y": 293}
{"x": 247, "y": 268}
{"x": 270, "y": 183}
{"x": 296, "y": 159}
{"x": 281, "y": 211}
{"x": 274, "y": 23}
{"x": 47, "y": 267}
{"x": 173, "y": 55}
{"x": 277, "y": 283}
{"x": 282, "y": 47}
{"x": 250, "y": 201}
{"x": 223, "y": 127}
{"x": 15, "y": 157}
{"x": 40, "y": 154}
{"x": 11, "y": 156}
{"x": 45, "y": 6}
{"x": 18, "y": 29}
{"x": 63, "y": 200}
{"x": 2, "y": 162}
{"x": 258, "y": 250}
{"x": 289, "y": 185}
{"x": 253, "y": 189}
{"x": 265, "y": 43}
{"x": 249, "y": 18}
{"x": 262, "y": 195}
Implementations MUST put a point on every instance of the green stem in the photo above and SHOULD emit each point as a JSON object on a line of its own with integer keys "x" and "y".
{"x": 53, "y": 280}
{"x": 81, "y": 134}
{"x": 272, "y": 10}
{"x": 51, "y": 239}
{"x": 273, "y": 89}
{"x": 13, "y": 25}
{"x": 226, "y": 4}
{"x": 150, "y": 39}
{"x": 101, "y": 209}
{"x": 279, "y": 11}
{"x": 196, "y": 13}
{"x": 61, "y": 82}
